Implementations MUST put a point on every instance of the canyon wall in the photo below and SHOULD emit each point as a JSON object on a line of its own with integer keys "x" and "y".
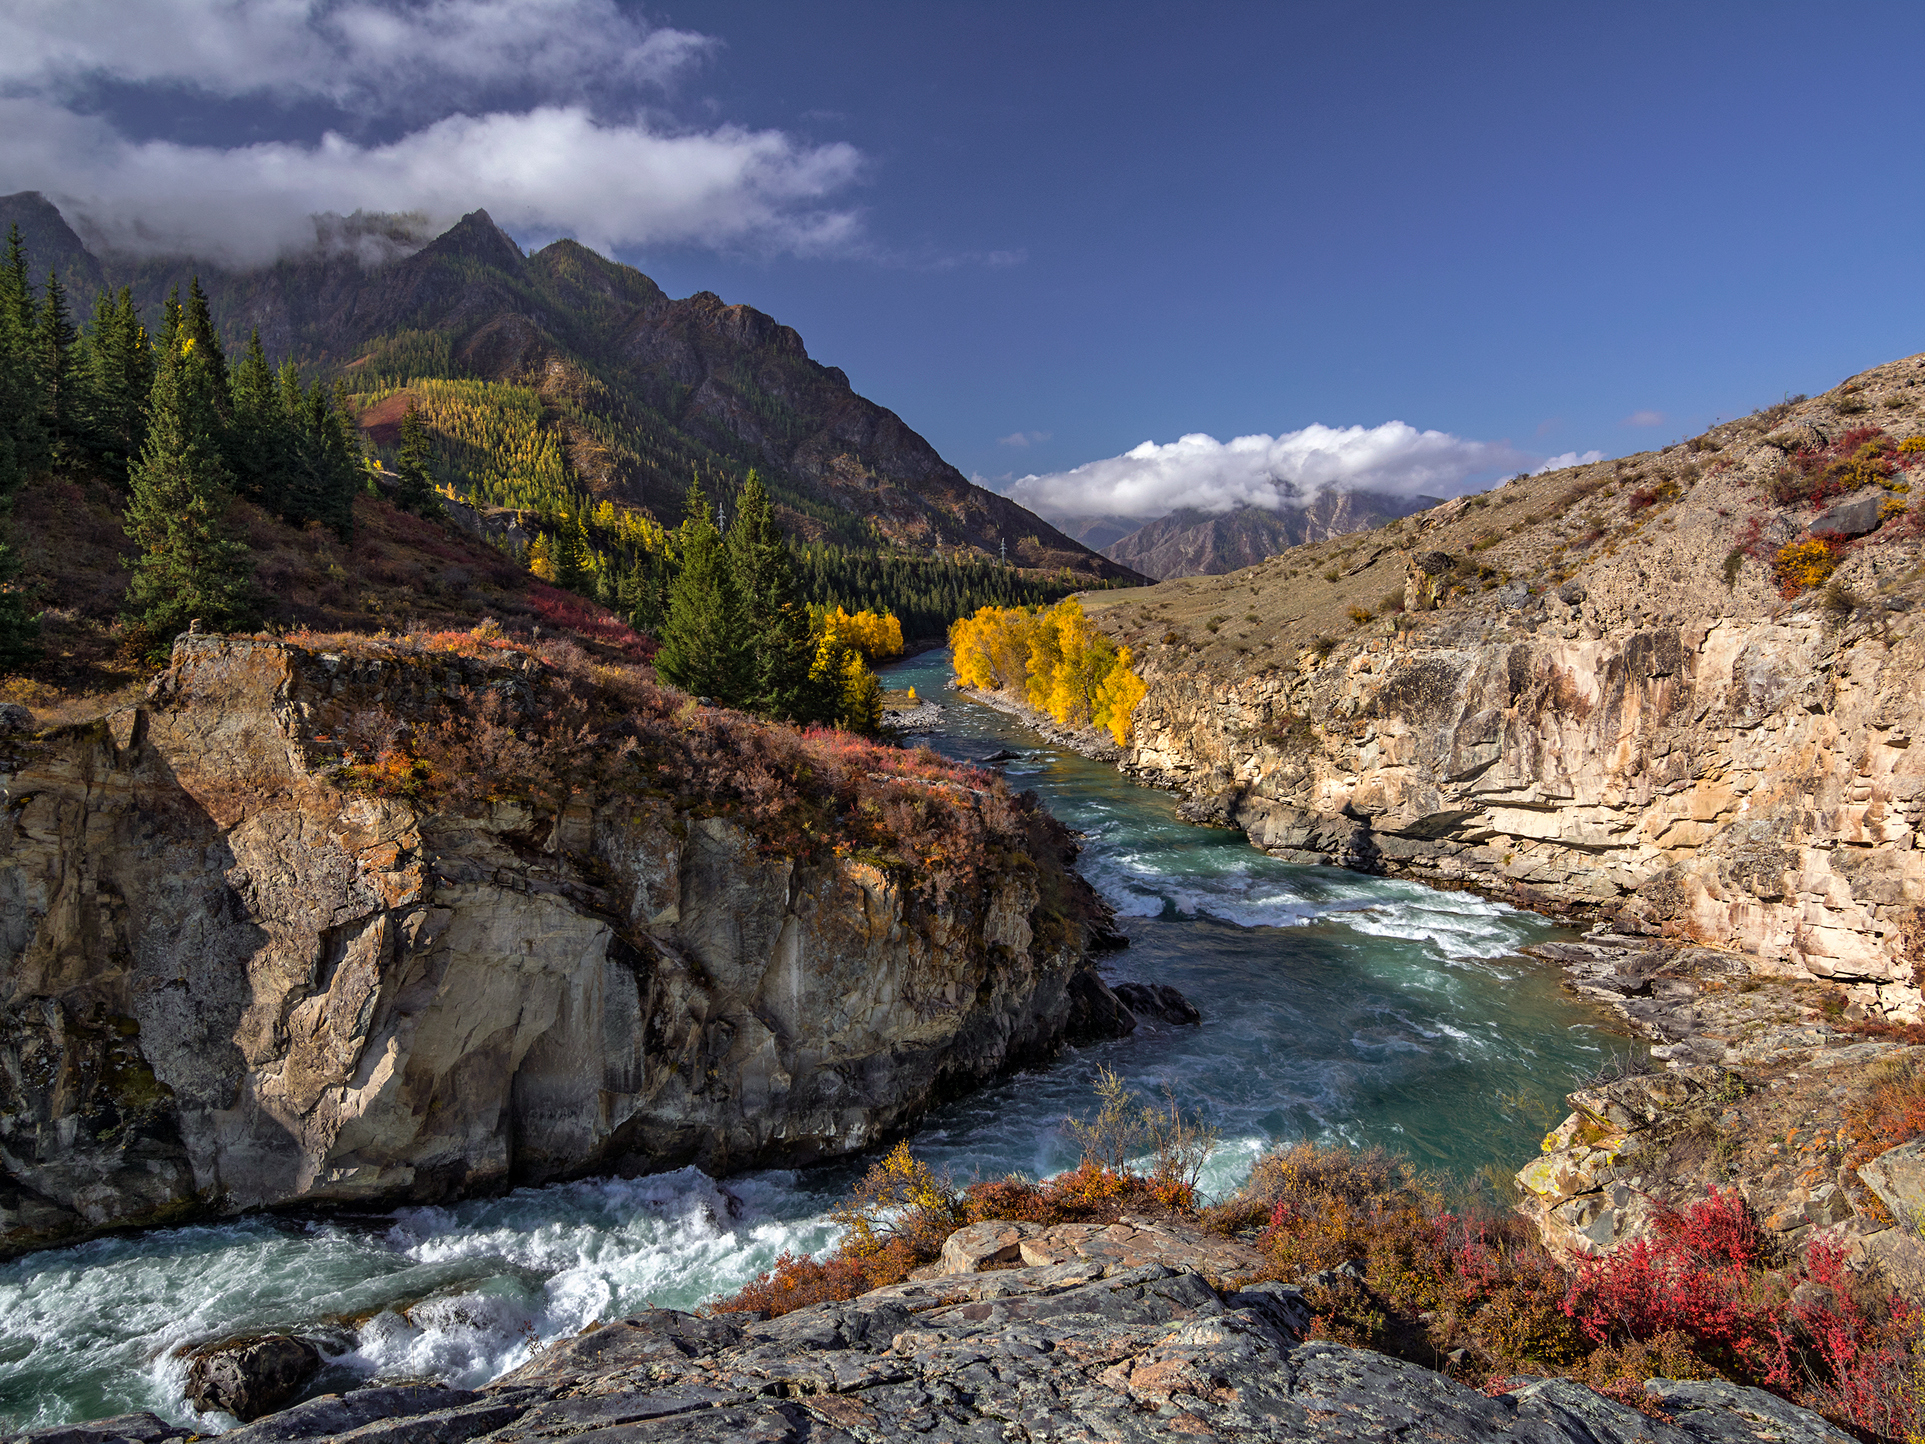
{"x": 230, "y": 979}
{"x": 1741, "y": 783}
{"x": 1676, "y": 692}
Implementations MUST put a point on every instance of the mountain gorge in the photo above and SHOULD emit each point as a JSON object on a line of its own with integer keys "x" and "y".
{"x": 1676, "y": 692}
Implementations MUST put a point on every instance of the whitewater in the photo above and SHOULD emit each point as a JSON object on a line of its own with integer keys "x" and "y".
{"x": 1335, "y": 1006}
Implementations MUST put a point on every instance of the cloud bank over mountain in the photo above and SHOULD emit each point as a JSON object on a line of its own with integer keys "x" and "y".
{"x": 534, "y": 109}
{"x": 1272, "y": 472}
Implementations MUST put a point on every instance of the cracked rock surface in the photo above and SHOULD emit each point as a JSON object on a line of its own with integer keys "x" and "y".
{"x": 1093, "y": 1349}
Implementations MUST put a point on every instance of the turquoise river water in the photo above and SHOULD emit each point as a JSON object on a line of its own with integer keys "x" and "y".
{"x": 1335, "y": 1006}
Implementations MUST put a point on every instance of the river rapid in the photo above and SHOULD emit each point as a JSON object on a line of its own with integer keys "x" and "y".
{"x": 1335, "y": 1006}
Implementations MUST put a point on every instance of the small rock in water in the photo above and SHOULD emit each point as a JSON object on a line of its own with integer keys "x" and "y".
{"x": 251, "y": 1377}
{"x": 1005, "y": 755}
{"x": 1157, "y": 1000}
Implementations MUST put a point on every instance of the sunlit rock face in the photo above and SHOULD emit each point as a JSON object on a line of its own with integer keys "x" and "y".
{"x": 230, "y": 983}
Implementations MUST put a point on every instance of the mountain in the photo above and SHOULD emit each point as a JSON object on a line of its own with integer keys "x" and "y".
{"x": 52, "y": 245}
{"x": 1097, "y": 531}
{"x": 1189, "y": 543}
{"x": 632, "y": 387}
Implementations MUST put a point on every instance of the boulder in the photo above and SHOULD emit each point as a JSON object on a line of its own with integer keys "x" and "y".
{"x": 982, "y": 1246}
{"x": 1855, "y": 516}
{"x": 1897, "y": 1176}
{"x": 1157, "y": 1000}
{"x": 251, "y": 1377}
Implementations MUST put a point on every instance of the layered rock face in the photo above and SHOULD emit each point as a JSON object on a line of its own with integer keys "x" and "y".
{"x": 230, "y": 983}
{"x": 1587, "y": 693}
{"x": 1747, "y": 784}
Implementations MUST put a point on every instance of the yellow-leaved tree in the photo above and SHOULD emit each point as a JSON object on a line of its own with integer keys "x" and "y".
{"x": 1058, "y": 661}
{"x": 877, "y": 635}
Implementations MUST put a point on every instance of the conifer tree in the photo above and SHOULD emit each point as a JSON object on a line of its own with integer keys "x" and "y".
{"x": 641, "y": 595}
{"x": 775, "y": 613}
{"x": 568, "y": 553}
{"x": 117, "y": 378}
{"x": 210, "y": 360}
{"x": 23, "y": 442}
{"x": 54, "y": 335}
{"x": 414, "y": 468}
{"x": 257, "y": 431}
{"x": 189, "y": 566}
{"x": 705, "y": 646}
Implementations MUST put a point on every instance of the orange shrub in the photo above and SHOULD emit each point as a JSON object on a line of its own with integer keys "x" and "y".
{"x": 1801, "y": 566}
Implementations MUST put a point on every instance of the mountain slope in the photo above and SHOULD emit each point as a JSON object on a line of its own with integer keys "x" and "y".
{"x": 1190, "y": 543}
{"x": 638, "y": 387}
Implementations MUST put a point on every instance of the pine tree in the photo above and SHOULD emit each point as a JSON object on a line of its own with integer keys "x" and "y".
{"x": 198, "y": 323}
{"x": 776, "y": 615}
{"x": 414, "y": 468}
{"x": 23, "y": 441}
{"x": 568, "y": 553}
{"x": 642, "y": 593}
{"x": 189, "y": 567}
{"x": 705, "y": 646}
{"x": 54, "y": 335}
{"x": 258, "y": 431}
{"x": 117, "y": 370}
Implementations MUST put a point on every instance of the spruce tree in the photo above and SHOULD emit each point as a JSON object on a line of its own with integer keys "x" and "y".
{"x": 568, "y": 553}
{"x": 414, "y": 468}
{"x": 54, "y": 335}
{"x": 23, "y": 441}
{"x": 776, "y": 615}
{"x": 189, "y": 566}
{"x": 211, "y": 361}
{"x": 705, "y": 645}
{"x": 117, "y": 378}
{"x": 257, "y": 430}
{"x": 23, "y": 447}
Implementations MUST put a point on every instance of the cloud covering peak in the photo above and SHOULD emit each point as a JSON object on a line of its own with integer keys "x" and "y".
{"x": 1272, "y": 472}
{"x": 533, "y": 109}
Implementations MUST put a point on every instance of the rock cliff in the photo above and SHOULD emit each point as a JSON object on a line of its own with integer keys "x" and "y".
{"x": 239, "y": 970}
{"x": 1609, "y": 692}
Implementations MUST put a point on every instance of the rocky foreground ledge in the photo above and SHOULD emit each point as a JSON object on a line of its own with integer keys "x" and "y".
{"x": 1131, "y": 1332}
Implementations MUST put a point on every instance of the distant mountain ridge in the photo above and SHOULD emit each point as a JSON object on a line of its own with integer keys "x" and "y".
{"x": 1189, "y": 542}
{"x": 639, "y": 387}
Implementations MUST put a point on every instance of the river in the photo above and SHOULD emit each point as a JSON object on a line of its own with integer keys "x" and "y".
{"x": 1335, "y": 1006}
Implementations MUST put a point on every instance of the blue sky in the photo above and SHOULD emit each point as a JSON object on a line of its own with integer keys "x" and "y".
{"x": 1089, "y": 226}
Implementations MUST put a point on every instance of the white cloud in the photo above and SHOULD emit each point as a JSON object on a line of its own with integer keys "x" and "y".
{"x": 1644, "y": 418}
{"x": 553, "y": 158}
{"x": 1268, "y": 471}
{"x": 383, "y": 57}
{"x": 1568, "y": 458}
{"x": 1024, "y": 438}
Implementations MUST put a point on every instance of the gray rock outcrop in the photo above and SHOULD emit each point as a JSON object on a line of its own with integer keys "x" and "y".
{"x": 228, "y": 983}
{"x": 1095, "y": 1348}
{"x": 251, "y": 1377}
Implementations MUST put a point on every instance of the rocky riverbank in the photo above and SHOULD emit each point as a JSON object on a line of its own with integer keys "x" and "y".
{"x": 1135, "y": 1332}
{"x": 384, "y": 921}
{"x": 1088, "y": 742}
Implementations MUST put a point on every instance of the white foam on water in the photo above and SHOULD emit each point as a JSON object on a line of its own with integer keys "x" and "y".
{"x": 458, "y": 1294}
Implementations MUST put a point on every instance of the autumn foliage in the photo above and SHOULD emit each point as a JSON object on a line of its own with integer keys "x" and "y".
{"x": 548, "y": 725}
{"x": 1056, "y": 660}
